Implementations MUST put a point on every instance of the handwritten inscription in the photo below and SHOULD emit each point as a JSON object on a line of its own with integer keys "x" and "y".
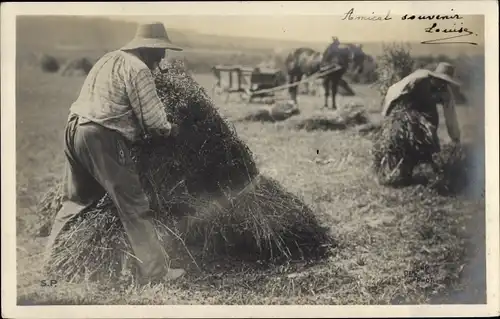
{"x": 440, "y": 25}
{"x": 431, "y": 17}
{"x": 448, "y": 32}
{"x": 455, "y": 33}
{"x": 349, "y": 15}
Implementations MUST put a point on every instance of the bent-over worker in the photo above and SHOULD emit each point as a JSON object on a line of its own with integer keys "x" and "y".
{"x": 421, "y": 91}
{"x": 118, "y": 105}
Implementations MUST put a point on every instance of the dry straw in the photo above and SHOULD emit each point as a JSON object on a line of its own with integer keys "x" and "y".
{"x": 349, "y": 115}
{"x": 407, "y": 139}
{"x": 207, "y": 193}
{"x": 280, "y": 111}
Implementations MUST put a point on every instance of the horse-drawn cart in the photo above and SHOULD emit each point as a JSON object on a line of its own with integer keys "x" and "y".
{"x": 247, "y": 81}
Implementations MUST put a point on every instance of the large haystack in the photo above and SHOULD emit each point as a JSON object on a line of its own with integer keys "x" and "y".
{"x": 205, "y": 189}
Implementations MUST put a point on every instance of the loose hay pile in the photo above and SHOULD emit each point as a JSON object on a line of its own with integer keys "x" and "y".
{"x": 280, "y": 111}
{"x": 207, "y": 193}
{"x": 349, "y": 115}
{"x": 353, "y": 114}
{"x": 320, "y": 123}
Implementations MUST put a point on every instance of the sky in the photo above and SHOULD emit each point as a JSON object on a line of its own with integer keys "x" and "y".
{"x": 317, "y": 28}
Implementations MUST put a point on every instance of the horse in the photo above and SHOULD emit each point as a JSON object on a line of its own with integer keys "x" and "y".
{"x": 358, "y": 57}
{"x": 306, "y": 61}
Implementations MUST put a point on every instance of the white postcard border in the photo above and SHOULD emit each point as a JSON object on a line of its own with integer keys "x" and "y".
{"x": 8, "y": 224}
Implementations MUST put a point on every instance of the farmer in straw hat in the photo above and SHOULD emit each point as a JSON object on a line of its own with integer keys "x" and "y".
{"x": 421, "y": 91}
{"x": 118, "y": 105}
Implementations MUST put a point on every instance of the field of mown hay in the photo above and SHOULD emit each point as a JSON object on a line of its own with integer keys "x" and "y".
{"x": 394, "y": 246}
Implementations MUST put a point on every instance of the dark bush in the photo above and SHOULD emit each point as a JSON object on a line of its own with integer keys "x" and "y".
{"x": 49, "y": 63}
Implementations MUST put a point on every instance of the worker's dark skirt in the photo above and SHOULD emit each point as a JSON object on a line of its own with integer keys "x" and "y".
{"x": 407, "y": 138}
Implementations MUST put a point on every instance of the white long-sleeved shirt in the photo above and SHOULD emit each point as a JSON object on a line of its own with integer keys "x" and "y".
{"x": 116, "y": 90}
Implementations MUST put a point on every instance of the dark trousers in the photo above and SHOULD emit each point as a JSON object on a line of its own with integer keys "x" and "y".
{"x": 98, "y": 161}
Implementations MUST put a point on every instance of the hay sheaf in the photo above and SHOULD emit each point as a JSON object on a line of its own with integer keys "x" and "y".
{"x": 263, "y": 222}
{"x": 207, "y": 155}
{"x": 405, "y": 138}
{"x": 207, "y": 194}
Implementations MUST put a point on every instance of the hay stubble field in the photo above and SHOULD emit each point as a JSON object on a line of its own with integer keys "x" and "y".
{"x": 383, "y": 234}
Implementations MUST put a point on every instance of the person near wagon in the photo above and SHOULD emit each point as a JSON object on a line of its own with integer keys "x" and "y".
{"x": 419, "y": 93}
{"x": 335, "y": 42}
{"x": 330, "y": 53}
{"x": 117, "y": 106}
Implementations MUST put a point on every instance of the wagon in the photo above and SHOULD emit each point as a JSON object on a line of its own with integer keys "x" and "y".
{"x": 247, "y": 81}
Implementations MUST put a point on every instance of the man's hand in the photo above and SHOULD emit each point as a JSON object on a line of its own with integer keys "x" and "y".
{"x": 174, "y": 130}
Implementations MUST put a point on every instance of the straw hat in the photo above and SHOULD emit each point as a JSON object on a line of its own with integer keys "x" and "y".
{"x": 151, "y": 35}
{"x": 445, "y": 71}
